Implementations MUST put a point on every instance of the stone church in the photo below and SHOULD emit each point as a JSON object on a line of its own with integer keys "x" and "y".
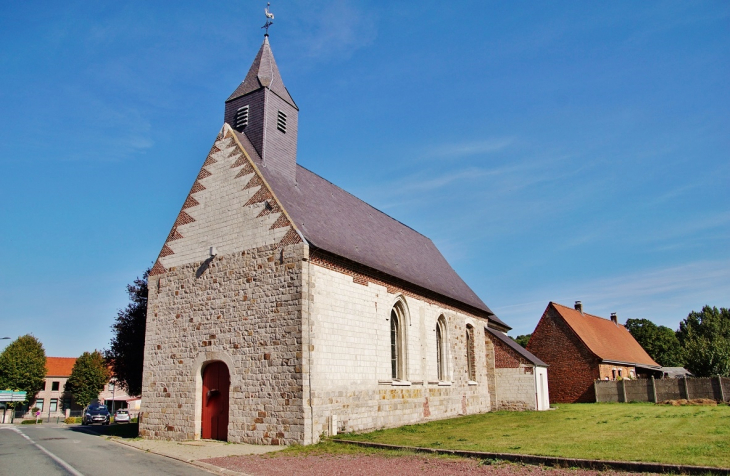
{"x": 282, "y": 308}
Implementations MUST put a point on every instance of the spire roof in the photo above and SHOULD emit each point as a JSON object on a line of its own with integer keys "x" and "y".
{"x": 263, "y": 74}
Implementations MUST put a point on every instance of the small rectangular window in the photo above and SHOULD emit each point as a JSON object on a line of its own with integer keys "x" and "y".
{"x": 39, "y": 404}
{"x": 242, "y": 116}
{"x": 54, "y": 405}
{"x": 55, "y": 386}
{"x": 281, "y": 122}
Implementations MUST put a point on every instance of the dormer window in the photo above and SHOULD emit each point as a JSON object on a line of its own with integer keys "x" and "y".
{"x": 242, "y": 116}
{"x": 281, "y": 122}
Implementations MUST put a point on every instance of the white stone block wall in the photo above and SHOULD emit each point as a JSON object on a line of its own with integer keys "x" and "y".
{"x": 349, "y": 361}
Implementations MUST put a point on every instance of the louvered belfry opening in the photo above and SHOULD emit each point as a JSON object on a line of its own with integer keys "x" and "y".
{"x": 281, "y": 121}
{"x": 242, "y": 117}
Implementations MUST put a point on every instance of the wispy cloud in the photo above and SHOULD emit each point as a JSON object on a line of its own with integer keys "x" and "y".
{"x": 464, "y": 149}
{"x": 335, "y": 29}
{"x": 663, "y": 295}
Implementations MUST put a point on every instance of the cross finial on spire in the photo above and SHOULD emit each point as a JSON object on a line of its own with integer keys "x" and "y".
{"x": 269, "y": 17}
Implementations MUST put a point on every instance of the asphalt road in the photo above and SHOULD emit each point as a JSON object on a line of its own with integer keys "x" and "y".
{"x": 60, "y": 450}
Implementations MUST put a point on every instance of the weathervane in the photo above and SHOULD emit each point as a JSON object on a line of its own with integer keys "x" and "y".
{"x": 269, "y": 17}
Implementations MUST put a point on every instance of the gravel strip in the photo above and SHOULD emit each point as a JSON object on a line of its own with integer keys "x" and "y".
{"x": 357, "y": 465}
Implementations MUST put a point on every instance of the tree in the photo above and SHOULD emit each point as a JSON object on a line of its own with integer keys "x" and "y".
{"x": 126, "y": 355}
{"x": 23, "y": 366}
{"x": 705, "y": 339}
{"x": 660, "y": 342}
{"x": 88, "y": 377}
{"x": 522, "y": 340}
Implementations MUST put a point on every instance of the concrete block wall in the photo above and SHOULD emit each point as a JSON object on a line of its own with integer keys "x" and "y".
{"x": 350, "y": 368}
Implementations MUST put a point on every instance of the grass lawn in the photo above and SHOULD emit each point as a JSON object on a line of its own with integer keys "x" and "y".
{"x": 695, "y": 435}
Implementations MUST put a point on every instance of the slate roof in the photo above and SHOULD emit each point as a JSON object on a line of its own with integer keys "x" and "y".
{"x": 263, "y": 73}
{"x": 59, "y": 366}
{"x": 608, "y": 341}
{"x": 529, "y": 356}
{"x": 336, "y": 221}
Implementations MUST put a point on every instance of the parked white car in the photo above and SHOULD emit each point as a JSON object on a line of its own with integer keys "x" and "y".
{"x": 121, "y": 416}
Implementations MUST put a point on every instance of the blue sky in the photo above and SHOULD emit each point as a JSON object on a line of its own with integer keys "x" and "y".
{"x": 553, "y": 151}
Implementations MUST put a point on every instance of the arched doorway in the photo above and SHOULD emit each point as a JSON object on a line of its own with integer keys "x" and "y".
{"x": 216, "y": 382}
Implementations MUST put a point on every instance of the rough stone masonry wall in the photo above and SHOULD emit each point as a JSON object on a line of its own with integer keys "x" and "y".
{"x": 572, "y": 368}
{"x": 350, "y": 355}
{"x": 244, "y": 309}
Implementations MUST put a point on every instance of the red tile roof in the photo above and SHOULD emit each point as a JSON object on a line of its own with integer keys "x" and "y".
{"x": 607, "y": 340}
{"x": 59, "y": 366}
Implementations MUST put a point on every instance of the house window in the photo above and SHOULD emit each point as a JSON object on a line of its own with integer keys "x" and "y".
{"x": 470, "y": 360}
{"x": 53, "y": 405}
{"x": 39, "y": 404}
{"x": 613, "y": 372}
{"x": 398, "y": 342}
{"x": 55, "y": 386}
{"x": 441, "y": 358}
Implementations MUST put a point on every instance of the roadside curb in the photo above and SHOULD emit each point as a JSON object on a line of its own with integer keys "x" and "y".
{"x": 600, "y": 465}
{"x": 211, "y": 468}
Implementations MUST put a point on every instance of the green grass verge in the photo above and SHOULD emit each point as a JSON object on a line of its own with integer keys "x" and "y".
{"x": 625, "y": 432}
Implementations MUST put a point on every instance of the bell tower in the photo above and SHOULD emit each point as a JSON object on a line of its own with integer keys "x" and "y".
{"x": 263, "y": 110}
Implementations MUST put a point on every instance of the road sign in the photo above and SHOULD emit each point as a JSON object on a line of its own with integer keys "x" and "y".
{"x": 11, "y": 396}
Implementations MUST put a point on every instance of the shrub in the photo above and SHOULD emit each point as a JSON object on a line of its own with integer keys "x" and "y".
{"x": 72, "y": 420}
{"x": 30, "y": 422}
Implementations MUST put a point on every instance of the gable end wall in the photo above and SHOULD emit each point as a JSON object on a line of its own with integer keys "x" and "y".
{"x": 572, "y": 367}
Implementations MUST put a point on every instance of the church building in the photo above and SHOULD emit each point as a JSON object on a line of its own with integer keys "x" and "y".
{"x": 282, "y": 308}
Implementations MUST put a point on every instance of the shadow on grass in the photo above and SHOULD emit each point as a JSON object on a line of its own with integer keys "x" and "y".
{"x": 127, "y": 430}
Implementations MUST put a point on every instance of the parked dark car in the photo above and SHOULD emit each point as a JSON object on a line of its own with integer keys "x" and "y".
{"x": 96, "y": 413}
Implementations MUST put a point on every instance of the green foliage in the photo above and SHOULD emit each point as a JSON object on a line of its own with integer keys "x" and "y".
{"x": 126, "y": 355}
{"x": 522, "y": 340}
{"x": 660, "y": 342}
{"x": 23, "y": 366}
{"x": 705, "y": 339}
{"x": 72, "y": 420}
{"x": 88, "y": 378}
{"x": 31, "y": 422}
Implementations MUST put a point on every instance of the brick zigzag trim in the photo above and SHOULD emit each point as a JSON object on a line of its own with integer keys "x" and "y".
{"x": 183, "y": 218}
{"x": 262, "y": 195}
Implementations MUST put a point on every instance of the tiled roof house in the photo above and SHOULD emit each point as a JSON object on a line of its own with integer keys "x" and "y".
{"x": 581, "y": 348}
{"x": 282, "y": 307}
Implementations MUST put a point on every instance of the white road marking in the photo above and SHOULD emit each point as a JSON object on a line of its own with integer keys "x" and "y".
{"x": 55, "y": 458}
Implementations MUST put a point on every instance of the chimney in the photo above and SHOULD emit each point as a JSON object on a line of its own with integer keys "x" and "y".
{"x": 579, "y": 306}
{"x": 614, "y": 318}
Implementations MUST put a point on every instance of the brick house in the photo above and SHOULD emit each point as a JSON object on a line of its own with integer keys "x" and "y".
{"x": 282, "y": 308}
{"x": 581, "y": 348}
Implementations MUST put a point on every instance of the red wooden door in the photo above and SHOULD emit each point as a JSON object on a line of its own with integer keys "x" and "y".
{"x": 215, "y": 401}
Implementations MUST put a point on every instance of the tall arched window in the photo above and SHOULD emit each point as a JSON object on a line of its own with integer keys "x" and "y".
{"x": 470, "y": 358}
{"x": 398, "y": 353}
{"x": 441, "y": 346}
{"x": 394, "y": 345}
